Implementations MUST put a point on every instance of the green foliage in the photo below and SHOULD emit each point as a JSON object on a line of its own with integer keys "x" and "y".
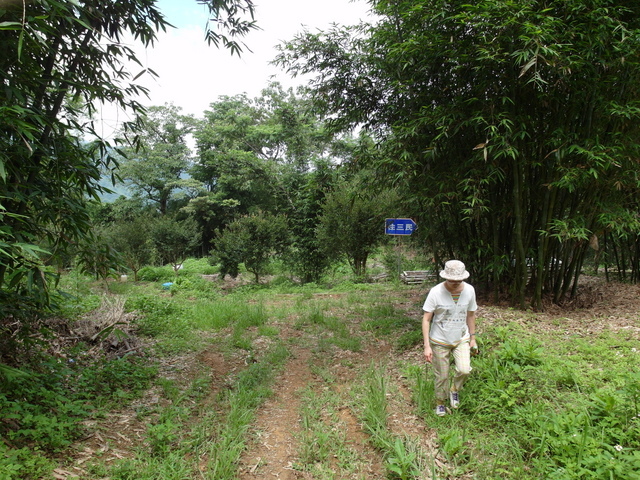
{"x": 340, "y": 336}
{"x": 232, "y": 19}
{"x": 252, "y": 240}
{"x": 22, "y": 464}
{"x": 123, "y": 378}
{"x": 452, "y": 442}
{"x": 161, "y": 437}
{"x": 503, "y": 125}
{"x": 553, "y": 403}
{"x": 397, "y": 258}
{"x": 268, "y": 154}
{"x": 43, "y": 408}
{"x": 351, "y": 225}
{"x": 175, "y": 239}
{"x": 423, "y": 393}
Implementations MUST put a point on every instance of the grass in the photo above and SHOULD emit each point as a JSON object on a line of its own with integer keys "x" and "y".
{"x": 556, "y": 402}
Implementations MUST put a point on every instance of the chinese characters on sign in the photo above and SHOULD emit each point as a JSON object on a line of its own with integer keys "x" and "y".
{"x": 399, "y": 226}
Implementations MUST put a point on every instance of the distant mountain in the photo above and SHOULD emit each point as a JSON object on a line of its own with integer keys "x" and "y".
{"x": 118, "y": 190}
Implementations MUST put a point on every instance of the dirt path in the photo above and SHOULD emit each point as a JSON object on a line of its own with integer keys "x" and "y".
{"x": 273, "y": 452}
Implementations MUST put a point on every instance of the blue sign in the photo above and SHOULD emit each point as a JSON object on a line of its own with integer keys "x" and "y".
{"x": 399, "y": 226}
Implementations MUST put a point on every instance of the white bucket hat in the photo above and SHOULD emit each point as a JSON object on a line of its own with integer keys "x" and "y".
{"x": 454, "y": 270}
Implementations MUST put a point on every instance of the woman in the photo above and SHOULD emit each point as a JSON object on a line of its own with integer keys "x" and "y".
{"x": 449, "y": 327}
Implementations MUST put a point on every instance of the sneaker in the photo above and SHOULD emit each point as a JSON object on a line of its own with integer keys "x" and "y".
{"x": 441, "y": 411}
{"x": 454, "y": 398}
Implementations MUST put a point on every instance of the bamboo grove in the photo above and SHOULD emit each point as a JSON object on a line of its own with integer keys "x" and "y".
{"x": 510, "y": 127}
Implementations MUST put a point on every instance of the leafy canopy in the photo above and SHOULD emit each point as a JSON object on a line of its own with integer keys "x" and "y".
{"x": 511, "y": 126}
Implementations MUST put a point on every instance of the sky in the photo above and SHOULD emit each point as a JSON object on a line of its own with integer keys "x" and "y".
{"x": 193, "y": 74}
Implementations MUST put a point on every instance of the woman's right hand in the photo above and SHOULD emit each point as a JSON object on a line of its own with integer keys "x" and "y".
{"x": 428, "y": 353}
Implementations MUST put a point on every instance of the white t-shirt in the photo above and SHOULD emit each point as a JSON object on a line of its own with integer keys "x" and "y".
{"x": 449, "y": 322}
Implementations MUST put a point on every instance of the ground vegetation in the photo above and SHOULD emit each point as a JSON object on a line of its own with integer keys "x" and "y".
{"x": 229, "y": 379}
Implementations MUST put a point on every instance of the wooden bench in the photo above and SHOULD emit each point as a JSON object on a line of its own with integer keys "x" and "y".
{"x": 415, "y": 277}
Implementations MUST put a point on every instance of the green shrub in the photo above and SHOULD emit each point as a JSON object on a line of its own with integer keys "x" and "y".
{"x": 22, "y": 464}
{"x": 128, "y": 375}
{"x": 40, "y": 409}
{"x": 156, "y": 274}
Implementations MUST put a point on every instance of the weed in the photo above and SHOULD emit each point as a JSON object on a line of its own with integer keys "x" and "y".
{"x": 423, "y": 389}
{"x": 161, "y": 437}
{"x": 452, "y": 443}
{"x": 374, "y": 407}
{"x": 22, "y": 464}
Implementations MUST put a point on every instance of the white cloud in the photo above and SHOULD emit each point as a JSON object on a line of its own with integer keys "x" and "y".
{"x": 192, "y": 74}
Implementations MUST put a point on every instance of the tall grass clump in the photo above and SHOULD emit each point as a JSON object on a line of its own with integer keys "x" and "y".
{"x": 157, "y": 315}
{"x": 331, "y": 330}
{"x": 236, "y": 310}
{"x": 404, "y": 457}
{"x": 318, "y": 441}
{"x": 385, "y": 319}
{"x": 423, "y": 392}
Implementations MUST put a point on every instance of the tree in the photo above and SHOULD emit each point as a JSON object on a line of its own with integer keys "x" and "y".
{"x": 156, "y": 169}
{"x": 254, "y": 154}
{"x": 230, "y": 163}
{"x": 511, "y": 126}
{"x": 175, "y": 240}
{"x": 306, "y": 257}
{"x": 253, "y": 240}
{"x": 60, "y": 59}
{"x": 56, "y": 52}
{"x": 132, "y": 239}
{"x": 351, "y": 226}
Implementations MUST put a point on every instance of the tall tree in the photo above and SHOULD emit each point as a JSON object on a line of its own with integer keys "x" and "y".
{"x": 254, "y": 154}
{"x": 59, "y": 59}
{"x": 510, "y": 125}
{"x": 156, "y": 169}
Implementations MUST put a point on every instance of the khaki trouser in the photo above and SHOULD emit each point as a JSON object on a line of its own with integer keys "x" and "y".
{"x": 441, "y": 362}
